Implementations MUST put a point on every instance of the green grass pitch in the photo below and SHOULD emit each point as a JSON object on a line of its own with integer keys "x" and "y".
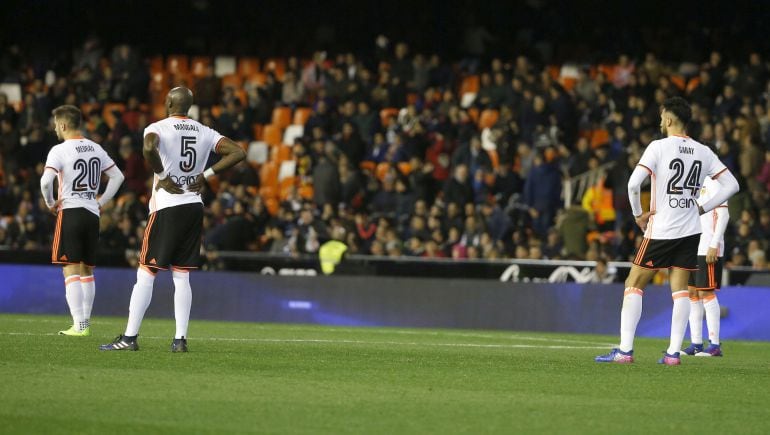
{"x": 286, "y": 379}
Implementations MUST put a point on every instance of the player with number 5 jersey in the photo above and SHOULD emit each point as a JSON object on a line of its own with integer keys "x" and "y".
{"x": 177, "y": 149}
{"x": 677, "y": 166}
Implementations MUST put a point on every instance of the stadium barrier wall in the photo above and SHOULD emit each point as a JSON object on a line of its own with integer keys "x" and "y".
{"x": 384, "y": 301}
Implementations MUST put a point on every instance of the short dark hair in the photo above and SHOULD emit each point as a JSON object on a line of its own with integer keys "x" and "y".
{"x": 70, "y": 114}
{"x": 680, "y": 108}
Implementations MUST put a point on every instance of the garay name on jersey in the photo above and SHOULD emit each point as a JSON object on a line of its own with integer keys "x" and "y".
{"x": 686, "y": 150}
{"x": 188, "y": 127}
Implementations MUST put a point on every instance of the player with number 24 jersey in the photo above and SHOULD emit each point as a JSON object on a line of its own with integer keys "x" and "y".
{"x": 677, "y": 166}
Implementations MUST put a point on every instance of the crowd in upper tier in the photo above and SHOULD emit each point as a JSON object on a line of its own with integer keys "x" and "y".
{"x": 401, "y": 154}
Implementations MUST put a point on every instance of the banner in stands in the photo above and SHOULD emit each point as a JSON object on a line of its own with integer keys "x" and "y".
{"x": 504, "y": 271}
{"x": 554, "y": 271}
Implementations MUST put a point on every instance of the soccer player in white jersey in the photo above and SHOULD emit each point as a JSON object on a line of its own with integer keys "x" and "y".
{"x": 677, "y": 165}
{"x": 705, "y": 282}
{"x": 78, "y": 163}
{"x": 177, "y": 149}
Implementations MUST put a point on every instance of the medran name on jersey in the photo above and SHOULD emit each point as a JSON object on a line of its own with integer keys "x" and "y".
{"x": 84, "y": 148}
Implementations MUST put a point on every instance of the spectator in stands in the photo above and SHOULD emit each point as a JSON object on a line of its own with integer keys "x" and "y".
{"x": 458, "y": 189}
{"x": 293, "y": 91}
{"x": 133, "y": 167}
{"x": 542, "y": 191}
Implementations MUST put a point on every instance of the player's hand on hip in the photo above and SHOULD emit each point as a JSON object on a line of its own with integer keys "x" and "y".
{"x": 55, "y": 208}
{"x": 644, "y": 219}
{"x": 197, "y": 185}
{"x": 711, "y": 256}
{"x": 169, "y": 186}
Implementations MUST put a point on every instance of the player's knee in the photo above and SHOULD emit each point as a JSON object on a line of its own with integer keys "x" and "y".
{"x": 86, "y": 270}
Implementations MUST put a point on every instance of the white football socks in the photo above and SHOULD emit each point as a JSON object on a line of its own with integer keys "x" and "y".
{"x": 629, "y": 317}
{"x": 88, "y": 285}
{"x": 74, "y": 295}
{"x": 182, "y": 301}
{"x": 140, "y": 300}
{"x": 711, "y": 306}
{"x": 696, "y": 320}
{"x": 679, "y": 318}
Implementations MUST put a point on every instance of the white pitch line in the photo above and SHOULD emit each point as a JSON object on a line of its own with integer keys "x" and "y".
{"x": 386, "y": 330}
{"x": 358, "y": 342}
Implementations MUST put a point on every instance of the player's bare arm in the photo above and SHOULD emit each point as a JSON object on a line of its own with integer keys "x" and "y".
{"x": 232, "y": 154}
{"x": 151, "y": 154}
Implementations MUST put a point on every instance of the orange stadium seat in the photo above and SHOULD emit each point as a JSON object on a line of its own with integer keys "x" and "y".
{"x": 387, "y": 113}
{"x": 269, "y": 191}
{"x": 281, "y": 117}
{"x": 286, "y": 186}
{"x": 216, "y": 111}
{"x": 301, "y": 115}
{"x": 678, "y": 81}
{"x": 599, "y": 137}
{"x": 178, "y": 64}
{"x": 272, "y": 134}
{"x": 280, "y": 153}
{"x": 257, "y": 78}
{"x": 257, "y": 130}
{"x": 554, "y": 71}
{"x": 247, "y": 66}
{"x": 241, "y": 94}
{"x": 488, "y": 118}
{"x": 156, "y": 64}
{"x": 268, "y": 174}
{"x": 159, "y": 81}
{"x": 692, "y": 84}
{"x": 159, "y": 111}
{"x": 568, "y": 83}
{"x": 306, "y": 191}
{"x": 272, "y": 205}
{"x": 382, "y": 170}
{"x": 232, "y": 80}
{"x": 367, "y": 165}
{"x": 198, "y": 65}
{"x": 469, "y": 84}
{"x": 108, "y": 113}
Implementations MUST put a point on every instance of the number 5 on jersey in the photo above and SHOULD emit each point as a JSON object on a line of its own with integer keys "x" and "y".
{"x": 188, "y": 152}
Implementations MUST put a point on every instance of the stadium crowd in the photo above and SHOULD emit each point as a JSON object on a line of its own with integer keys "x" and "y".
{"x": 401, "y": 154}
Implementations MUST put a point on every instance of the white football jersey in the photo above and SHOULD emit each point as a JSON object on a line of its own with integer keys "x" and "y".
{"x": 677, "y": 165}
{"x": 79, "y": 164}
{"x": 708, "y": 221}
{"x": 184, "y": 149}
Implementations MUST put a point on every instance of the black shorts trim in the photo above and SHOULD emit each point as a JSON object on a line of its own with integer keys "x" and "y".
{"x": 173, "y": 238}
{"x": 655, "y": 254}
{"x": 709, "y": 276}
{"x": 76, "y": 237}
